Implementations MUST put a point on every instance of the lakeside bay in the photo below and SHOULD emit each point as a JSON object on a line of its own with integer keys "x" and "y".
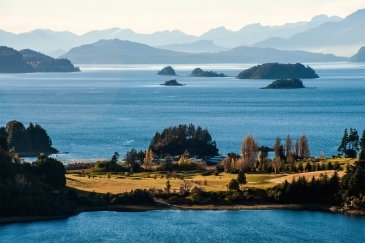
{"x": 104, "y": 109}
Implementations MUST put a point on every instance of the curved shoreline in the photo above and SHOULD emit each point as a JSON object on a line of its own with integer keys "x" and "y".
{"x": 164, "y": 206}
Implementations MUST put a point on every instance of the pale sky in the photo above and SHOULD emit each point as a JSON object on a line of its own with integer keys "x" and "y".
{"x": 147, "y": 16}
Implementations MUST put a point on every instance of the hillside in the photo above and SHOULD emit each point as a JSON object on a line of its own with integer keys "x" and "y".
{"x": 278, "y": 71}
{"x": 194, "y": 47}
{"x": 11, "y": 61}
{"x": 126, "y": 52}
{"x": 343, "y": 37}
{"x": 28, "y": 61}
{"x": 359, "y": 56}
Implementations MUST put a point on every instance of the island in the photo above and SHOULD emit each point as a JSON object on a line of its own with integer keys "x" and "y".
{"x": 30, "y": 142}
{"x": 359, "y": 56}
{"x": 29, "y": 61}
{"x": 198, "y": 72}
{"x": 167, "y": 71}
{"x": 278, "y": 71}
{"x": 172, "y": 82}
{"x": 286, "y": 84}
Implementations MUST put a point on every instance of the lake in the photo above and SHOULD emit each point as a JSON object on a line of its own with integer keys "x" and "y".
{"x": 103, "y": 109}
{"x": 192, "y": 226}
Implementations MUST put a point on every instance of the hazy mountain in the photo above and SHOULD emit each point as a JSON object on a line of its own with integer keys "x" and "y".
{"x": 253, "y": 33}
{"x": 343, "y": 37}
{"x": 126, "y": 52}
{"x": 359, "y": 56}
{"x": 49, "y": 41}
{"x": 194, "y": 47}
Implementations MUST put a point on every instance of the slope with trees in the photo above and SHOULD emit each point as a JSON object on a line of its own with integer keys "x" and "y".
{"x": 278, "y": 71}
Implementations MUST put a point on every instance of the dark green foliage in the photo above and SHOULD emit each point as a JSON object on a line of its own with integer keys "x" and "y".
{"x": 167, "y": 71}
{"x": 350, "y": 144}
{"x": 172, "y": 83}
{"x": 137, "y": 196}
{"x": 323, "y": 190}
{"x": 30, "y": 141}
{"x": 278, "y": 71}
{"x": 286, "y": 84}
{"x": 29, "y": 189}
{"x": 241, "y": 178}
{"x": 233, "y": 185}
{"x": 176, "y": 140}
{"x": 51, "y": 171}
{"x": 353, "y": 182}
{"x": 198, "y": 72}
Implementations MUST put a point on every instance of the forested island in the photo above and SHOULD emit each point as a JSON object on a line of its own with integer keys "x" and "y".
{"x": 172, "y": 82}
{"x": 29, "y": 61}
{"x": 167, "y": 71}
{"x": 30, "y": 141}
{"x": 198, "y": 72}
{"x": 286, "y": 84}
{"x": 173, "y": 174}
{"x": 278, "y": 71}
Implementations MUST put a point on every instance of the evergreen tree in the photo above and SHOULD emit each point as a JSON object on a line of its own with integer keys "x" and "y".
{"x": 233, "y": 185}
{"x": 241, "y": 178}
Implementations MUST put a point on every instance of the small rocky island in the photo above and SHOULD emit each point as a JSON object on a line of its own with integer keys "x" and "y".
{"x": 198, "y": 72}
{"x": 286, "y": 84}
{"x": 29, "y": 61}
{"x": 167, "y": 71}
{"x": 172, "y": 82}
{"x": 278, "y": 71}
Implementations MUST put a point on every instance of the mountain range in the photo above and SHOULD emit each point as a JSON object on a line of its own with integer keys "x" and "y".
{"x": 341, "y": 36}
{"x": 126, "y": 52}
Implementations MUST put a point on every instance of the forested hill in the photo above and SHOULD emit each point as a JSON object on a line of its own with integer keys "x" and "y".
{"x": 30, "y": 141}
{"x": 278, "y": 71}
{"x": 28, "y": 61}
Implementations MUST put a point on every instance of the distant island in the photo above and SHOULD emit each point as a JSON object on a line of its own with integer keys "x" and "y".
{"x": 359, "y": 56}
{"x": 30, "y": 141}
{"x": 278, "y": 71}
{"x": 172, "y": 82}
{"x": 167, "y": 71}
{"x": 286, "y": 84}
{"x": 29, "y": 61}
{"x": 198, "y": 72}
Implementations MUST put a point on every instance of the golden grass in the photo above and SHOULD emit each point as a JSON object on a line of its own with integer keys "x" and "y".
{"x": 120, "y": 183}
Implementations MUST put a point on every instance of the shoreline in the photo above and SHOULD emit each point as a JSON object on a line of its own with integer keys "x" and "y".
{"x": 184, "y": 207}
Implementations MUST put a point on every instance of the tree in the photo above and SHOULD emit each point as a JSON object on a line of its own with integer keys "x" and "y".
{"x": 350, "y": 144}
{"x": 51, "y": 171}
{"x": 362, "y": 146}
{"x": 113, "y": 161}
{"x": 302, "y": 148}
{"x": 131, "y": 157}
{"x": 233, "y": 185}
{"x": 148, "y": 160}
{"x": 168, "y": 186}
{"x": 241, "y": 178}
{"x": 278, "y": 155}
{"x": 249, "y": 153}
{"x": 288, "y": 147}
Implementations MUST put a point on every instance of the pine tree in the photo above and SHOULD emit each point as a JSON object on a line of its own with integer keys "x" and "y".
{"x": 241, "y": 178}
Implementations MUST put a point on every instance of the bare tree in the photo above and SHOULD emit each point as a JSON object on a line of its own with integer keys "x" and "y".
{"x": 302, "y": 148}
{"x": 148, "y": 160}
{"x": 288, "y": 147}
{"x": 249, "y": 153}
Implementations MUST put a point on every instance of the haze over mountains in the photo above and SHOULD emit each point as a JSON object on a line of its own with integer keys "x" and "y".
{"x": 126, "y": 52}
{"x": 321, "y": 34}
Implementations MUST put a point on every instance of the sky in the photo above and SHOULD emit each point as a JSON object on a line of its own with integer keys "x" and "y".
{"x": 147, "y": 16}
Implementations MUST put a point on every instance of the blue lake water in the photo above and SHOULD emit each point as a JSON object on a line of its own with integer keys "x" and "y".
{"x": 104, "y": 109}
{"x": 192, "y": 226}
